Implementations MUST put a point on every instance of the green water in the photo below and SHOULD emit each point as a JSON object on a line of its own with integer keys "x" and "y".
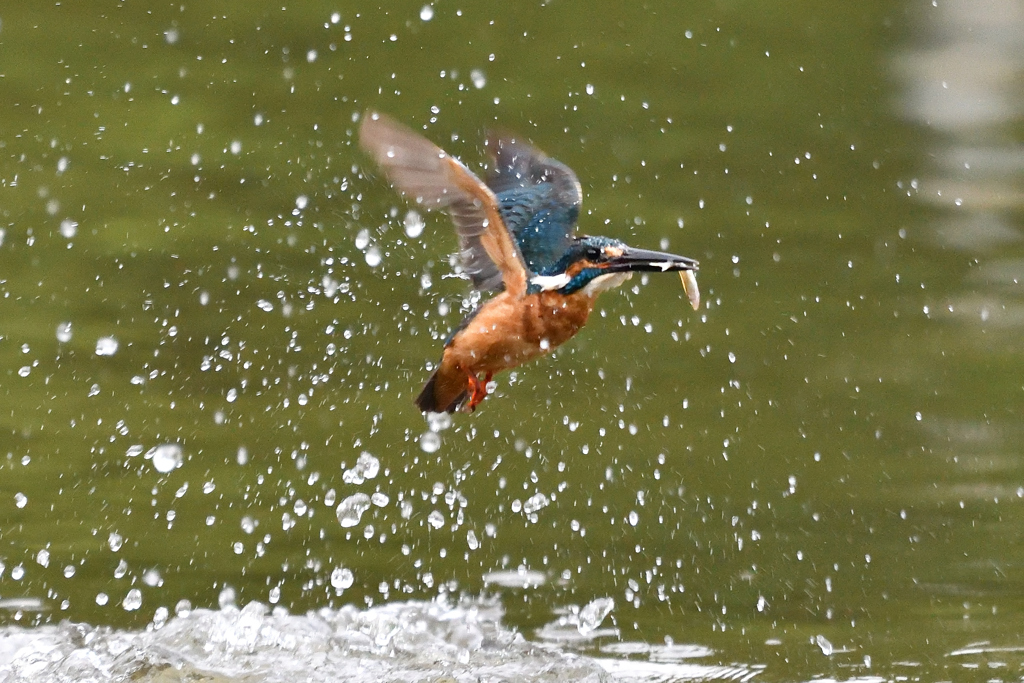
{"x": 829, "y": 447}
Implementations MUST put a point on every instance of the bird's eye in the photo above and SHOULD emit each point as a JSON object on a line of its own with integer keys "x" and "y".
{"x": 594, "y": 254}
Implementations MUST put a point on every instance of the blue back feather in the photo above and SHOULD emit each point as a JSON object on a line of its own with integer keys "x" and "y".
{"x": 541, "y": 224}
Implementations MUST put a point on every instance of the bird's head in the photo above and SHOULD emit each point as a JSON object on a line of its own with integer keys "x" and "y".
{"x": 596, "y": 264}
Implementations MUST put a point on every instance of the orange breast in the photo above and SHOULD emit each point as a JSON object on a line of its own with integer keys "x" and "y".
{"x": 509, "y": 331}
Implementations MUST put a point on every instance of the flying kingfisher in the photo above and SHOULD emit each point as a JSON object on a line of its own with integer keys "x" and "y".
{"x": 516, "y": 237}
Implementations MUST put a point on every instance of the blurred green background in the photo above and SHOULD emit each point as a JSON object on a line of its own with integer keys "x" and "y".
{"x": 831, "y": 446}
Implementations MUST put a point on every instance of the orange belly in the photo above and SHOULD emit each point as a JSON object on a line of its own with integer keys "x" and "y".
{"x": 507, "y": 332}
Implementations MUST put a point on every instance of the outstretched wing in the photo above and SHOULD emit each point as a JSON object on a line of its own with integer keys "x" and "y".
{"x": 538, "y": 197}
{"x": 520, "y": 164}
{"x": 424, "y": 173}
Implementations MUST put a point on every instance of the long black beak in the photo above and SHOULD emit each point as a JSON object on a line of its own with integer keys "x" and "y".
{"x": 645, "y": 261}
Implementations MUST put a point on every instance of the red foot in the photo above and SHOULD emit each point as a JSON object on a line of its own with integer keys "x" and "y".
{"x": 478, "y": 390}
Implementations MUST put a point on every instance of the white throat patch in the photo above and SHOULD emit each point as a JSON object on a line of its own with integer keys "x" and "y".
{"x": 602, "y": 283}
{"x": 548, "y": 283}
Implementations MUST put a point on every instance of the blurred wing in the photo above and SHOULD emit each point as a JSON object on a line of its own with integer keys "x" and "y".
{"x": 539, "y": 198}
{"x": 519, "y": 164}
{"x": 424, "y": 173}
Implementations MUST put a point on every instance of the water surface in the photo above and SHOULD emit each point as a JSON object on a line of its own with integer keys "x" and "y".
{"x": 214, "y": 316}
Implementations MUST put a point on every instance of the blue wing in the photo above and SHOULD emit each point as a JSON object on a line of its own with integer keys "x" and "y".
{"x": 539, "y": 200}
{"x": 543, "y": 226}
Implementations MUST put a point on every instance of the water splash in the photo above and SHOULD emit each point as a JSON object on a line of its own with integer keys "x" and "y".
{"x": 399, "y": 641}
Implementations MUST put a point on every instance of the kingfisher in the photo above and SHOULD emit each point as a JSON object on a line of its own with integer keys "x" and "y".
{"x": 517, "y": 237}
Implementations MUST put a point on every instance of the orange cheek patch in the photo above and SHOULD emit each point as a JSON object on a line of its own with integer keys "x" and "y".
{"x": 574, "y": 269}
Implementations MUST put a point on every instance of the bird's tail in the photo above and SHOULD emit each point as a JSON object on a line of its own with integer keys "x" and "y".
{"x": 442, "y": 394}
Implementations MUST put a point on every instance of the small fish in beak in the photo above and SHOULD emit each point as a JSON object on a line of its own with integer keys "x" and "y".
{"x": 689, "y": 281}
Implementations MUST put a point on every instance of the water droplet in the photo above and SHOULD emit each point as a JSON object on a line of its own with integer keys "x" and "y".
{"x": 352, "y": 508}
{"x": 64, "y": 333}
{"x": 413, "y": 224}
{"x": 430, "y": 442}
{"x": 363, "y": 239}
{"x": 166, "y": 457}
{"x": 133, "y": 600}
{"x": 478, "y": 78}
{"x": 68, "y": 228}
{"x": 593, "y": 613}
{"x": 438, "y": 422}
{"x": 367, "y": 466}
{"x": 373, "y": 256}
{"x": 151, "y": 577}
{"x": 535, "y": 502}
{"x": 106, "y": 346}
{"x": 20, "y": 499}
{"x": 342, "y": 578}
{"x": 426, "y": 13}
{"x": 101, "y": 599}
{"x": 435, "y": 519}
{"x": 114, "y": 541}
{"x": 226, "y": 597}
{"x": 43, "y": 557}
